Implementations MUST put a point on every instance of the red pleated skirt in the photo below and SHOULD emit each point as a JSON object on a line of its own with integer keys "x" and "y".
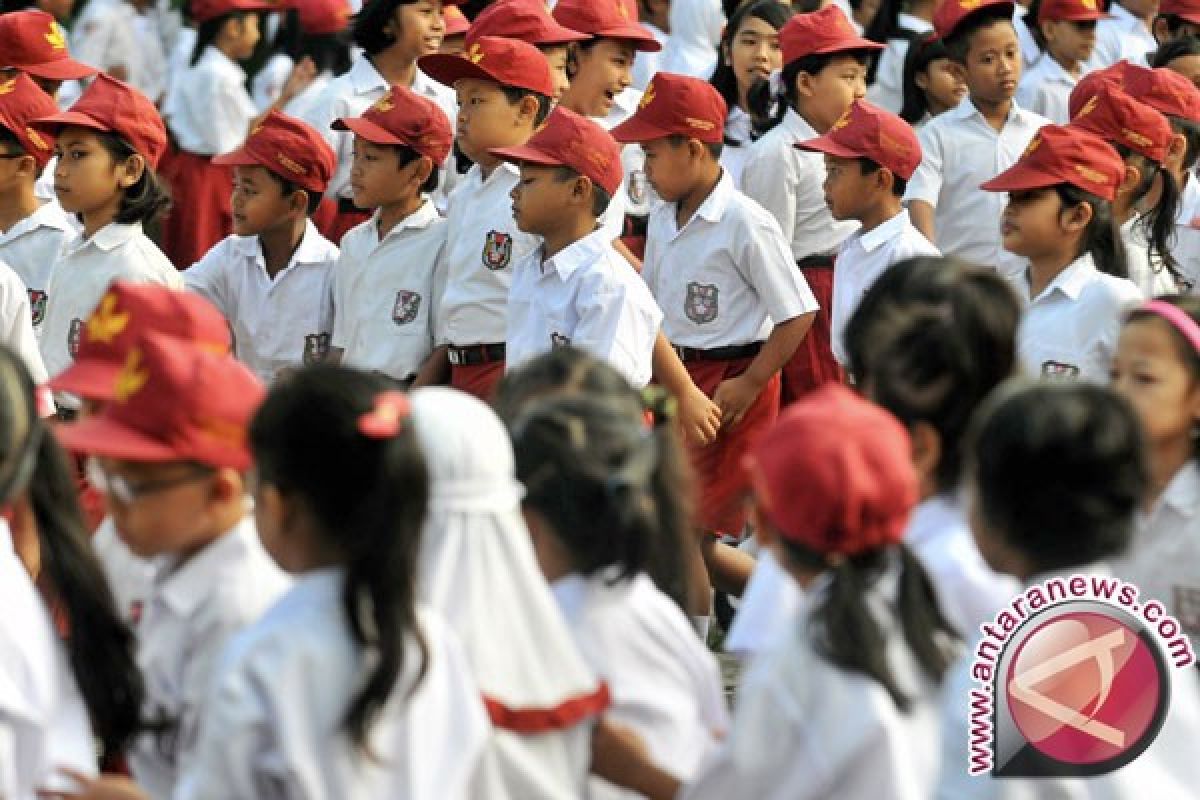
{"x": 478, "y": 379}
{"x": 201, "y": 212}
{"x": 333, "y": 223}
{"x": 813, "y": 363}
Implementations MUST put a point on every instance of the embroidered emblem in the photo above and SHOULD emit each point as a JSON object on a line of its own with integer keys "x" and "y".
{"x": 1057, "y": 370}
{"x": 700, "y": 124}
{"x": 637, "y": 187}
{"x": 258, "y": 126}
{"x": 1136, "y": 138}
{"x": 131, "y": 378}
{"x": 894, "y": 145}
{"x": 622, "y": 11}
{"x": 1089, "y": 174}
{"x": 1033, "y": 145}
{"x": 558, "y": 340}
{"x": 1089, "y": 106}
{"x": 316, "y": 347}
{"x": 8, "y": 86}
{"x": 384, "y": 104}
{"x": 497, "y": 250}
{"x": 1090, "y": 5}
{"x": 291, "y": 165}
{"x": 106, "y": 323}
{"x": 701, "y": 305}
{"x": 842, "y": 121}
{"x": 74, "y": 333}
{"x": 36, "y": 138}
{"x": 647, "y": 96}
{"x": 969, "y": 5}
{"x": 475, "y": 54}
{"x": 55, "y": 37}
{"x": 407, "y": 305}
{"x": 37, "y": 305}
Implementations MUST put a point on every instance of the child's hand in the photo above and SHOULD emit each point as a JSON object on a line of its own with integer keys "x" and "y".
{"x": 302, "y": 74}
{"x": 734, "y": 397}
{"x": 105, "y": 787}
{"x": 699, "y": 417}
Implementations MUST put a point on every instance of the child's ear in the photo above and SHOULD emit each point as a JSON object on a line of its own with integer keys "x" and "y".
{"x": 696, "y": 149}
{"x": 926, "y": 454}
{"x": 1132, "y": 177}
{"x": 805, "y": 85}
{"x": 1159, "y": 30}
{"x": 582, "y": 191}
{"x": 1076, "y": 219}
{"x": 527, "y": 111}
{"x": 298, "y": 202}
{"x": 228, "y": 485}
{"x": 921, "y": 79}
{"x": 131, "y": 170}
{"x": 884, "y": 179}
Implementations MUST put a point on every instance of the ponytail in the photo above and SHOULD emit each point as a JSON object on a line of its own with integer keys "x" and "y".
{"x": 769, "y": 101}
{"x": 1101, "y": 237}
{"x": 1158, "y": 224}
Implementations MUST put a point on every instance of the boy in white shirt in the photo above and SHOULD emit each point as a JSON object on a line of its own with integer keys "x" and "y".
{"x": 387, "y": 283}
{"x": 576, "y": 288}
{"x": 1068, "y": 30}
{"x": 970, "y": 144}
{"x": 869, "y": 156}
{"x": 272, "y": 279}
{"x": 1125, "y": 34}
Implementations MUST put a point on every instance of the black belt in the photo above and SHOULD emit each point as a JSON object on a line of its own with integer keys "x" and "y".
{"x": 815, "y": 262}
{"x": 635, "y": 227}
{"x": 731, "y": 353}
{"x": 63, "y": 414}
{"x": 346, "y": 205}
{"x": 476, "y": 354}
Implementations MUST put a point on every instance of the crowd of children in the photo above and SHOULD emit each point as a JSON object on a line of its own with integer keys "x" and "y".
{"x": 392, "y": 393}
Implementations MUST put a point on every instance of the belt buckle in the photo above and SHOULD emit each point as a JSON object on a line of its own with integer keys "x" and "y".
{"x": 454, "y": 357}
{"x": 679, "y": 351}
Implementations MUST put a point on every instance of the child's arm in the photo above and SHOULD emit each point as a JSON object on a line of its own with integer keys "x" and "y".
{"x": 436, "y": 369}
{"x": 921, "y": 196}
{"x": 921, "y": 214}
{"x": 735, "y": 395}
{"x": 619, "y": 756}
{"x": 699, "y": 417}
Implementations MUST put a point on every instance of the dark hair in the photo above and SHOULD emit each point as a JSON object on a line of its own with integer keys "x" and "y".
{"x": 923, "y": 51}
{"x": 148, "y": 197}
{"x": 1157, "y": 224}
{"x": 1174, "y": 24}
{"x": 100, "y": 648}
{"x": 329, "y": 51}
{"x": 714, "y": 149}
{"x": 288, "y": 188}
{"x": 723, "y": 79}
{"x": 866, "y": 166}
{"x": 13, "y": 144}
{"x": 958, "y": 43}
{"x": 367, "y": 496}
{"x": 1033, "y": 24}
{"x": 370, "y": 21}
{"x": 1191, "y": 134}
{"x": 762, "y": 101}
{"x": 573, "y": 54}
{"x": 1175, "y": 48}
{"x": 1183, "y": 347}
{"x": 929, "y": 341}
{"x": 208, "y": 31}
{"x": 883, "y": 26}
{"x": 515, "y": 94}
{"x": 600, "y": 198}
{"x": 1058, "y": 470}
{"x": 1102, "y": 237}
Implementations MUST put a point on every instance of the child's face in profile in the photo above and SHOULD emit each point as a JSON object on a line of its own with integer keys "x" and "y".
{"x": 669, "y": 168}
{"x": 556, "y": 57}
{"x": 824, "y": 97}
{"x": 1149, "y": 370}
{"x": 943, "y": 84}
{"x": 86, "y": 178}
{"x": 1070, "y": 42}
{"x": 258, "y": 200}
{"x": 162, "y": 508}
{"x": 375, "y": 174}
{"x": 539, "y": 198}
{"x": 486, "y": 119}
{"x": 993, "y": 66}
{"x": 1030, "y": 224}
{"x": 847, "y": 189}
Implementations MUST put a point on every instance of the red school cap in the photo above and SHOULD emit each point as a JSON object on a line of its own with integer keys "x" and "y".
{"x": 173, "y": 401}
{"x": 126, "y": 312}
{"x": 1187, "y": 10}
{"x": 110, "y": 106}
{"x": 526, "y": 20}
{"x": 676, "y": 104}
{"x": 866, "y": 131}
{"x": 1092, "y": 83}
{"x": 1071, "y": 11}
{"x": 569, "y": 140}
{"x": 1064, "y": 154}
{"x": 1119, "y": 119}
{"x": 835, "y": 474}
{"x": 1164, "y": 90}
{"x": 402, "y": 117}
{"x": 951, "y": 14}
{"x": 507, "y": 62}
{"x": 21, "y": 102}
{"x": 289, "y": 148}
{"x": 33, "y": 42}
{"x": 202, "y": 11}
{"x": 821, "y": 33}
{"x": 456, "y": 23}
{"x": 607, "y": 19}
{"x": 323, "y": 17}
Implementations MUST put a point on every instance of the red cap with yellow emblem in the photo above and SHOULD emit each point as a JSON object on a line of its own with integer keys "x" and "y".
{"x": 821, "y": 33}
{"x": 33, "y": 42}
{"x": 1091, "y": 84}
{"x": 1164, "y": 90}
{"x": 527, "y": 20}
{"x": 126, "y": 312}
{"x": 951, "y": 14}
{"x": 402, "y": 117}
{"x": 21, "y": 102}
{"x": 1072, "y": 10}
{"x": 111, "y": 106}
{"x": 569, "y": 140}
{"x": 676, "y": 104}
{"x": 607, "y": 19}
{"x": 1064, "y": 154}
{"x": 202, "y": 11}
{"x": 1119, "y": 119}
{"x": 289, "y": 148}
{"x": 173, "y": 401}
{"x": 507, "y": 62}
{"x": 865, "y": 131}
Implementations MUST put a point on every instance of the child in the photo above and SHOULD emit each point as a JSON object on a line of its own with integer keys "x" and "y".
{"x": 315, "y": 31}
{"x": 1125, "y": 35}
{"x": 1180, "y": 55}
{"x": 869, "y": 156}
{"x": 975, "y": 141}
{"x": 387, "y": 285}
{"x": 595, "y": 552}
{"x": 108, "y": 146}
{"x": 1059, "y": 218}
{"x": 504, "y": 88}
{"x": 173, "y": 459}
{"x": 272, "y": 279}
{"x": 914, "y": 21}
{"x": 1176, "y": 20}
{"x": 121, "y": 40}
{"x": 1157, "y": 368}
{"x": 845, "y": 706}
{"x": 1068, "y": 31}
{"x": 33, "y": 43}
{"x": 575, "y": 288}
{"x": 932, "y": 84}
{"x": 529, "y": 21}
{"x": 824, "y": 72}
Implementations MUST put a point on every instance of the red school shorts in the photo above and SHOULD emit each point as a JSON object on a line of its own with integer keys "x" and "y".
{"x": 478, "y": 379}
{"x": 201, "y": 206}
{"x": 813, "y": 363}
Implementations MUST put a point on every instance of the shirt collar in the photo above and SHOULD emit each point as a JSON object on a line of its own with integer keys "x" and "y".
{"x": 310, "y": 251}
{"x": 365, "y": 78}
{"x": 47, "y": 215}
{"x": 577, "y": 254}
{"x": 873, "y": 239}
{"x": 908, "y": 21}
{"x": 213, "y": 55}
{"x": 713, "y": 207}
{"x": 111, "y": 236}
{"x": 427, "y": 86}
{"x": 1054, "y": 70}
{"x": 796, "y": 125}
{"x": 1183, "y": 492}
{"x": 420, "y": 219}
{"x": 1071, "y": 281}
{"x": 187, "y": 586}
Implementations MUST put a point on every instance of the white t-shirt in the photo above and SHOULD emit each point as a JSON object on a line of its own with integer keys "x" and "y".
{"x": 1046, "y": 90}
{"x": 1187, "y": 232}
{"x": 209, "y": 111}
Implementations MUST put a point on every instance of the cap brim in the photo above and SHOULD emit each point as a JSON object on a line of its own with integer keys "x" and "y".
{"x": 526, "y": 155}
{"x": 1019, "y": 178}
{"x": 635, "y": 130}
{"x": 64, "y": 69}
{"x": 1082, "y": 15}
{"x": 368, "y": 130}
{"x": 236, "y": 158}
{"x": 101, "y": 436}
{"x": 642, "y": 39}
{"x": 53, "y": 124}
{"x": 449, "y": 69}
{"x": 94, "y": 380}
{"x": 824, "y": 144}
{"x": 847, "y": 45}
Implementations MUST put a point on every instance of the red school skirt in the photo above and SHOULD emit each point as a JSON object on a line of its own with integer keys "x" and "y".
{"x": 201, "y": 205}
{"x": 336, "y": 216}
{"x": 721, "y": 482}
{"x": 813, "y": 364}
{"x": 478, "y": 379}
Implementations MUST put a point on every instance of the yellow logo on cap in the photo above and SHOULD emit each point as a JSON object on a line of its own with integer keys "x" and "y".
{"x": 1033, "y": 145}
{"x": 258, "y": 126}
{"x": 9, "y": 86}
{"x": 131, "y": 378}
{"x": 291, "y": 165}
{"x": 55, "y": 37}
{"x": 1137, "y": 138}
{"x": 475, "y": 54}
{"x": 1089, "y": 106}
{"x": 1090, "y": 5}
{"x": 622, "y": 10}
{"x": 842, "y": 121}
{"x": 1089, "y": 174}
{"x": 648, "y": 96}
{"x": 106, "y": 322}
{"x": 384, "y": 104}
{"x": 36, "y": 138}
{"x": 700, "y": 124}
{"x": 969, "y": 5}
{"x": 894, "y": 145}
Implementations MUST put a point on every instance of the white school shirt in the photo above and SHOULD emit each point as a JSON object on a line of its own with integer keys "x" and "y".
{"x": 739, "y": 135}
{"x": 81, "y": 276}
{"x": 863, "y": 259}
{"x": 130, "y": 576}
{"x": 587, "y": 296}
{"x": 190, "y": 615}
{"x": 16, "y": 323}
{"x": 43, "y": 720}
{"x": 1045, "y": 89}
{"x": 106, "y": 36}
{"x": 1147, "y": 272}
{"x": 726, "y": 277}
{"x": 696, "y": 27}
{"x": 663, "y": 680}
{"x": 279, "y": 322}
{"x": 960, "y": 152}
{"x": 1030, "y": 50}
{"x": 267, "y": 84}
{"x": 1120, "y": 36}
{"x": 645, "y": 63}
{"x": 1070, "y": 330}
{"x": 31, "y": 247}
{"x": 386, "y": 293}
{"x": 209, "y": 111}
{"x": 888, "y": 90}
{"x": 483, "y": 243}
{"x": 272, "y": 722}
{"x": 804, "y": 728}
{"x": 1187, "y": 232}
{"x": 789, "y": 183}
{"x": 635, "y": 197}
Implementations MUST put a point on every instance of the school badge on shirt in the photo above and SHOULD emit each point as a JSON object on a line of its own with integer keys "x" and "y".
{"x": 37, "y": 305}
{"x": 407, "y": 305}
{"x": 558, "y": 340}
{"x": 700, "y": 305}
{"x": 316, "y": 347}
{"x": 497, "y": 250}
{"x": 74, "y": 334}
{"x": 1058, "y": 371}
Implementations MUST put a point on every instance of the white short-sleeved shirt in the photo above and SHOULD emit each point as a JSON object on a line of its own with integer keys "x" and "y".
{"x": 1146, "y": 271}
{"x": 191, "y": 613}
{"x": 663, "y": 680}
{"x": 888, "y": 89}
{"x": 1120, "y": 36}
{"x": 483, "y": 243}
{"x": 43, "y": 720}
{"x": 386, "y": 293}
{"x": 863, "y": 259}
{"x": 1046, "y": 89}
{"x": 790, "y": 184}
{"x": 646, "y": 64}
{"x": 82, "y": 275}
{"x": 960, "y": 152}
{"x": 587, "y": 296}
{"x": 130, "y": 576}
{"x": 696, "y": 27}
{"x": 209, "y": 111}
{"x": 1187, "y": 232}
{"x": 279, "y": 322}
{"x": 1070, "y": 330}
{"x": 272, "y": 723}
{"x": 635, "y": 197}
{"x": 739, "y": 135}
{"x": 111, "y": 34}
{"x": 16, "y": 323}
{"x": 727, "y": 276}
{"x": 31, "y": 247}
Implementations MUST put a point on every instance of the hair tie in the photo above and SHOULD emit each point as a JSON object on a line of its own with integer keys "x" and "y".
{"x": 384, "y": 420}
{"x": 1179, "y": 319}
{"x": 658, "y": 406}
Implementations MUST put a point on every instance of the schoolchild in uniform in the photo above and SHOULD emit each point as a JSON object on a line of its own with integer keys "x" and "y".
{"x": 1068, "y": 30}
{"x": 34, "y": 43}
{"x": 869, "y": 156}
{"x": 1125, "y": 34}
{"x": 121, "y": 40}
{"x": 454, "y": 39}
{"x": 173, "y": 456}
{"x": 108, "y": 146}
{"x": 932, "y": 84}
{"x": 273, "y": 278}
{"x": 914, "y": 21}
{"x": 846, "y": 705}
{"x": 313, "y": 31}
{"x": 1180, "y": 55}
{"x": 595, "y": 553}
{"x": 575, "y": 288}
{"x": 388, "y": 283}
{"x": 1076, "y": 287}
{"x": 975, "y": 141}
{"x": 824, "y": 72}
{"x": 504, "y": 88}
{"x": 530, "y": 21}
